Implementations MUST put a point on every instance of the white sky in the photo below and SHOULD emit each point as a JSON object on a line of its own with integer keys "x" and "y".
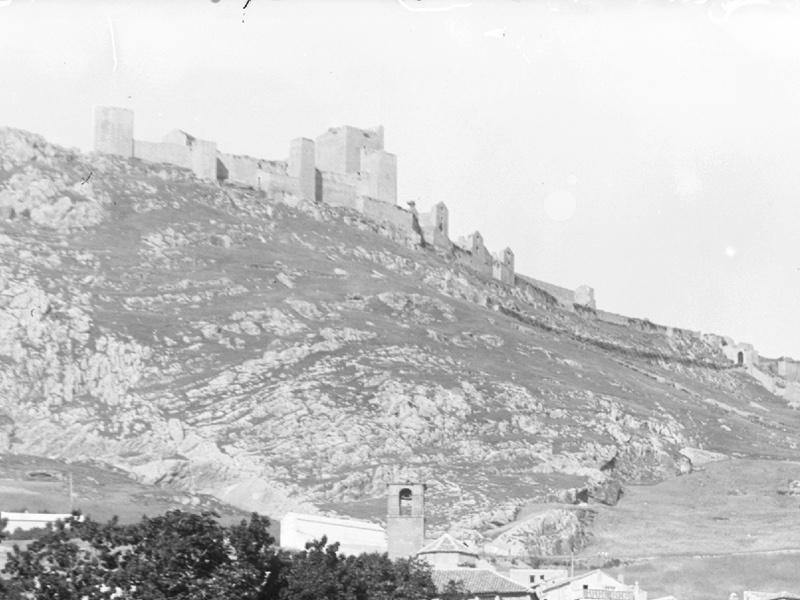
{"x": 649, "y": 151}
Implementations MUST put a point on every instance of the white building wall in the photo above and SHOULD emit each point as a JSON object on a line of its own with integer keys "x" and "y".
{"x": 353, "y": 536}
{"x": 26, "y": 521}
{"x": 595, "y": 585}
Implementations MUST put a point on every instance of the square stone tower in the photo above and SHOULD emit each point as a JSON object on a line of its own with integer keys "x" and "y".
{"x": 204, "y": 159}
{"x": 113, "y": 130}
{"x": 338, "y": 150}
{"x": 405, "y": 519}
{"x": 302, "y": 167}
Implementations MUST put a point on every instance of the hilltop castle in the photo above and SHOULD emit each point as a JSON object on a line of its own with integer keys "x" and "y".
{"x": 344, "y": 166}
{"x": 348, "y": 167}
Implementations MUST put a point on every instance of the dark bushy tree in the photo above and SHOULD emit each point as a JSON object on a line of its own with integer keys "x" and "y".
{"x": 185, "y": 556}
{"x": 321, "y": 573}
{"x": 178, "y": 556}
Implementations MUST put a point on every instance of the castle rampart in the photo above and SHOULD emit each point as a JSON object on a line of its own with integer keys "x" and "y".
{"x": 339, "y": 189}
{"x": 474, "y": 254}
{"x": 163, "y": 153}
{"x": 392, "y": 214}
{"x": 583, "y": 295}
{"x": 349, "y": 167}
{"x": 345, "y": 166}
{"x": 613, "y": 318}
{"x": 241, "y": 169}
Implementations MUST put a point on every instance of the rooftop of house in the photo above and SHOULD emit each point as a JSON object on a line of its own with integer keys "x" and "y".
{"x": 551, "y": 585}
{"x": 478, "y": 581}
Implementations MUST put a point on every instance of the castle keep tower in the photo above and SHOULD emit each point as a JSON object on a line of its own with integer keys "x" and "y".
{"x": 338, "y": 150}
{"x": 405, "y": 520}
{"x": 113, "y": 130}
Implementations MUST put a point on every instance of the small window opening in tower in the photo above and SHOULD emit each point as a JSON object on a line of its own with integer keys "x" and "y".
{"x": 740, "y": 358}
{"x": 405, "y": 502}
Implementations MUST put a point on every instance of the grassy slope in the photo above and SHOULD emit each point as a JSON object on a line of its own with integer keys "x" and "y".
{"x": 400, "y": 362}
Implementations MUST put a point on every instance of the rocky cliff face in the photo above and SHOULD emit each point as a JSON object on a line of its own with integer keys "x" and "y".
{"x": 280, "y": 355}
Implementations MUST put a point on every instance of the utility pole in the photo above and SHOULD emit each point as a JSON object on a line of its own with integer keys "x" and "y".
{"x": 572, "y": 563}
{"x": 70, "y": 491}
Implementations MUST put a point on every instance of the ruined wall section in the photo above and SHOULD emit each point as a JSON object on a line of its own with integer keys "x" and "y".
{"x": 584, "y": 296}
{"x": 239, "y": 168}
{"x": 565, "y": 297}
{"x": 435, "y": 226}
{"x": 613, "y": 318}
{"x": 789, "y": 369}
{"x": 472, "y": 252}
{"x": 503, "y": 267}
{"x": 401, "y": 219}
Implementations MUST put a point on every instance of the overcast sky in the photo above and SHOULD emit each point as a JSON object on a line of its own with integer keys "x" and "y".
{"x": 649, "y": 151}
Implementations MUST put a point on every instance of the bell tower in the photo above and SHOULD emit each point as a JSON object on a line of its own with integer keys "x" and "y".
{"x": 405, "y": 519}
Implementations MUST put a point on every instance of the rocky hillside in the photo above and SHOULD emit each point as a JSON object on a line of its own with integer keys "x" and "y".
{"x": 279, "y": 355}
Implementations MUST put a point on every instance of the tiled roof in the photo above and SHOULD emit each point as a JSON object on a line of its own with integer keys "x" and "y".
{"x": 446, "y": 543}
{"x": 478, "y": 581}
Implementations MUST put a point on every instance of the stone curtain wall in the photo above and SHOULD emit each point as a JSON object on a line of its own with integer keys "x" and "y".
{"x": 159, "y": 152}
{"x": 240, "y": 168}
{"x": 399, "y": 218}
{"x": 340, "y": 189}
{"x": 565, "y": 297}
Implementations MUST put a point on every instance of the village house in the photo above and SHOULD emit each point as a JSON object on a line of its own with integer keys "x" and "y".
{"x": 594, "y": 585}
{"x": 529, "y": 576}
{"x": 453, "y": 562}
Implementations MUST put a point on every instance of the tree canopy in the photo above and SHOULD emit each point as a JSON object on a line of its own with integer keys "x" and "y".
{"x": 187, "y": 556}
